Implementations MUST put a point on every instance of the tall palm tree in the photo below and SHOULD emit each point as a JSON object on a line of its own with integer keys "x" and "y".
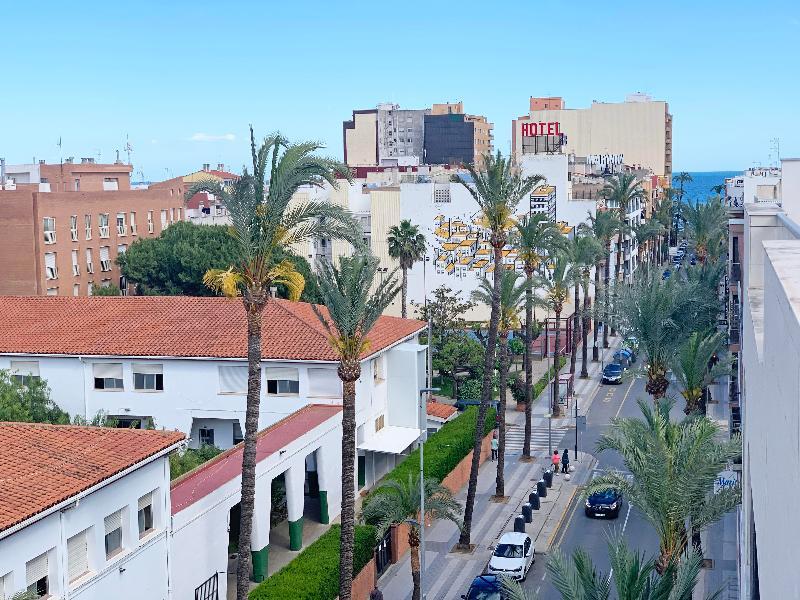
{"x": 621, "y": 194}
{"x": 407, "y": 245}
{"x": 535, "y": 238}
{"x": 395, "y": 502}
{"x": 674, "y": 465}
{"x": 707, "y": 223}
{"x": 665, "y": 214}
{"x": 718, "y": 189}
{"x": 512, "y": 298}
{"x": 556, "y": 289}
{"x": 694, "y": 369}
{"x": 352, "y": 311}
{"x": 647, "y": 234}
{"x": 497, "y": 186}
{"x": 263, "y": 227}
{"x": 583, "y": 250}
{"x": 603, "y": 226}
{"x": 681, "y": 179}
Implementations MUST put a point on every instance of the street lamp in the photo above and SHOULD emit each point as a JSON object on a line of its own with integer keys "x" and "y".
{"x": 423, "y": 435}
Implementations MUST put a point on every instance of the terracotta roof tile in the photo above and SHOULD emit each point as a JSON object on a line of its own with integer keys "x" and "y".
{"x": 441, "y": 410}
{"x": 178, "y": 326}
{"x": 42, "y": 465}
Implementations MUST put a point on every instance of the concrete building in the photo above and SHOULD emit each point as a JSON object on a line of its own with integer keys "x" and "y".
{"x": 640, "y": 129}
{"x": 64, "y": 233}
{"x": 202, "y": 208}
{"x": 483, "y": 138}
{"x": 85, "y": 512}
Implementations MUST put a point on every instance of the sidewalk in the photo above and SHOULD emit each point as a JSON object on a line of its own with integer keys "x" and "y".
{"x": 448, "y": 575}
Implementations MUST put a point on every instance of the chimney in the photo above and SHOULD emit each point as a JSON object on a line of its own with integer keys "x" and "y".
{"x": 69, "y": 160}
{"x": 220, "y": 167}
{"x": 41, "y": 161}
{"x": 206, "y": 167}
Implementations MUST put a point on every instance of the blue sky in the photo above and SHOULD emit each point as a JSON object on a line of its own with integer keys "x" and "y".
{"x": 183, "y": 79}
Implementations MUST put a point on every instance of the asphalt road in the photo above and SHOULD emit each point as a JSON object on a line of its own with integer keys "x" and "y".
{"x": 577, "y": 530}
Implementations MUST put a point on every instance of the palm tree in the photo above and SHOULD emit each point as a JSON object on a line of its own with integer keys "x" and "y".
{"x": 583, "y": 250}
{"x": 674, "y": 465}
{"x": 512, "y": 297}
{"x": 695, "y": 369}
{"x": 665, "y": 214}
{"x": 352, "y": 311}
{"x": 681, "y": 178}
{"x": 604, "y": 226}
{"x": 556, "y": 289}
{"x": 497, "y": 187}
{"x": 407, "y": 245}
{"x": 395, "y": 502}
{"x": 718, "y": 189}
{"x": 621, "y": 194}
{"x": 264, "y": 226}
{"x": 707, "y": 223}
{"x": 647, "y": 233}
{"x": 535, "y": 238}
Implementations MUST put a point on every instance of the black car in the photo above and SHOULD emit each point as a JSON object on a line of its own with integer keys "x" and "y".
{"x": 612, "y": 373}
{"x": 604, "y": 504}
{"x": 485, "y": 587}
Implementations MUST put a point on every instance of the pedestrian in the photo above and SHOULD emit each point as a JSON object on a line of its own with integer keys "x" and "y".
{"x": 556, "y": 461}
{"x": 565, "y": 461}
{"x": 495, "y": 446}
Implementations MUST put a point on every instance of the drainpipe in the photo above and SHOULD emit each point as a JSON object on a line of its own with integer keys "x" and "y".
{"x": 83, "y": 388}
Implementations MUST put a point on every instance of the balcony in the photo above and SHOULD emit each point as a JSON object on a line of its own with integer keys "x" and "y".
{"x": 736, "y": 272}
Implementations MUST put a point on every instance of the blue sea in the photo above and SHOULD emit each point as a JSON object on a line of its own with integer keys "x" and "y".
{"x": 702, "y": 182}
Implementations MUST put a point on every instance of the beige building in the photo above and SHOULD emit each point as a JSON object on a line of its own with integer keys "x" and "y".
{"x": 639, "y": 129}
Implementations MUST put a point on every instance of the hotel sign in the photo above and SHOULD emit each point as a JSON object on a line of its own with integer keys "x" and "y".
{"x": 541, "y": 128}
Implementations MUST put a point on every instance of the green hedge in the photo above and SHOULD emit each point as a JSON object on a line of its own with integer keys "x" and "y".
{"x": 314, "y": 574}
{"x": 545, "y": 379}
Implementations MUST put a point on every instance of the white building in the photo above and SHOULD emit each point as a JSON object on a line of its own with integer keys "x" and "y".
{"x": 754, "y": 185}
{"x": 85, "y": 511}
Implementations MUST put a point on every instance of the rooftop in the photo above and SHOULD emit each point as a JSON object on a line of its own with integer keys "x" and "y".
{"x": 440, "y": 410}
{"x": 173, "y": 326}
{"x": 43, "y": 465}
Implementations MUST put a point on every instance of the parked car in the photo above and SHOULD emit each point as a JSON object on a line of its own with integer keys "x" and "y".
{"x": 485, "y": 587}
{"x": 623, "y": 357}
{"x": 693, "y": 261}
{"x": 513, "y": 556}
{"x": 630, "y": 351}
{"x": 612, "y": 373}
{"x": 632, "y": 343}
{"x": 604, "y": 504}
{"x": 665, "y": 275}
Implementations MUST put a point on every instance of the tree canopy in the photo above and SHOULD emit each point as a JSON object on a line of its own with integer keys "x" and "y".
{"x": 29, "y": 402}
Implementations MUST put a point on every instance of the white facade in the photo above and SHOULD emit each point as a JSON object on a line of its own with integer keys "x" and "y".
{"x": 138, "y": 571}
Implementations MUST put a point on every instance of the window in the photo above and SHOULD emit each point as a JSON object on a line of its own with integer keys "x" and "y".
{"x": 145, "y": 514}
{"x": 110, "y": 184}
{"x": 149, "y": 221}
{"x": 178, "y": 212}
{"x": 25, "y": 371}
{"x": 76, "y": 289}
{"x": 113, "y": 538}
{"x": 163, "y": 219}
{"x": 76, "y": 270}
{"x": 122, "y": 248}
{"x": 77, "y": 185}
{"x": 89, "y": 288}
{"x": 122, "y": 229}
{"x": 102, "y": 224}
{"x": 77, "y": 556}
{"x": 282, "y": 381}
{"x": 105, "y": 260}
{"x": 206, "y": 436}
{"x": 37, "y": 573}
{"x": 89, "y": 265}
{"x": 87, "y": 224}
{"x": 107, "y": 376}
{"x": 377, "y": 369}
{"x": 379, "y": 422}
{"x": 73, "y": 228}
{"x": 171, "y": 215}
{"x": 50, "y": 268}
{"x": 148, "y": 377}
{"x": 441, "y": 194}
{"x": 232, "y": 380}
{"x": 133, "y": 223}
{"x": 49, "y": 228}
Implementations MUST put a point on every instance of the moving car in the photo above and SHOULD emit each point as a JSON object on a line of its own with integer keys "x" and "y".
{"x": 623, "y": 357}
{"x": 612, "y": 373}
{"x": 604, "y": 504}
{"x": 512, "y": 556}
{"x": 485, "y": 587}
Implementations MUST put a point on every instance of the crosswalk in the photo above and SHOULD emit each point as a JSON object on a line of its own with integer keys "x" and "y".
{"x": 515, "y": 437}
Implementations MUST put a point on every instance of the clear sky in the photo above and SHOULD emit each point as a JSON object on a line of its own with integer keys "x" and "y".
{"x": 182, "y": 79}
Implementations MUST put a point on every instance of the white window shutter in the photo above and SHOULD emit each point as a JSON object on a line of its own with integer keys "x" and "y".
{"x": 107, "y": 370}
{"x": 36, "y": 569}
{"x": 233, "y": 380}
{"x": 104, "y": 253}
{"x": 113, "y": 521}
{"x": 148, "y": 368}
{"x": 25, "y": 367}
{"x": 146, "y": 500}
{"x": 77, "y": 556}
{"x": 324, "y": 382}
{"x": 288, "y": 374}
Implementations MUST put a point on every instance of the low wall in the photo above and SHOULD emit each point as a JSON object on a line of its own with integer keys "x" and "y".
{"x": 364, "y": 582}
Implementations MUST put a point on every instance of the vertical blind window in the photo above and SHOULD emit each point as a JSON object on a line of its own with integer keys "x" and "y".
{"x": 113, "y": 537}
{"x": 148, "y": 377}
{"x": 77, "y": 556}
{"x": 233, "y": 380}
{"x": 145, "y": 514}
{"x": 282, "y": 381}
{"x": 107, "y": 376}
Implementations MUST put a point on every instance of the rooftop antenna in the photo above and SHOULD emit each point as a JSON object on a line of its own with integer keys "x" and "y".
{"x": 128, "y": 148}
{"x": 775, "y": 152}
{"x": 60, "y": 156}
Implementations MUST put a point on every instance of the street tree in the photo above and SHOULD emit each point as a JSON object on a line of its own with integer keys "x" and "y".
{"x": 407, "y": 246}
{"x": 620, "y": 194}
{"x": 647, "y": 234}
{"x": 446, "y": 310}
{"x": 583, "y": 251}
{"x": 697, "y": 364}
{"x": 497, "y": 186}
{"x": 263, "y": 226}
{"x": 352, "y": 311}
{"x": 395, "y": 502}
{"x": 26, "y": 399}
{"x": 707, "y": 224}
{"x": 458, "y": 354}
{"x": 604, "y": 226}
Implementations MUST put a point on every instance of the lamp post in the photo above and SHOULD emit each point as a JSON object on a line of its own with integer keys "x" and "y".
{"x": 423, "y": 435}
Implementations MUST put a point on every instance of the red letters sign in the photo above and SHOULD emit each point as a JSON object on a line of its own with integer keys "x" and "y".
{"x": 541, "y": 128}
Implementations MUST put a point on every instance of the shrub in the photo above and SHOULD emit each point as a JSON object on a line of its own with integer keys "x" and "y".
{"x": 470, "y": 390}
{"x": 191, "y": 458}
{"x": 314, "y": 574}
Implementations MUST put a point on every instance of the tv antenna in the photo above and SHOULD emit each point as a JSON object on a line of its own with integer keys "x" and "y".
{"x": 128, "y": 148}
{"x": 775, "y": 152}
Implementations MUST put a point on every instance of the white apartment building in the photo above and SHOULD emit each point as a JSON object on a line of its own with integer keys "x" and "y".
{"x": 758, "y": 184}
{"x": 85, "y": 511}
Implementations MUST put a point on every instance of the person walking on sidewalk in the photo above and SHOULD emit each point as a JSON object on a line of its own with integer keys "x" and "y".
{"x": 556, "y": 461}
{"x": 495, "y": 446}
{"x": 565, "y": 461}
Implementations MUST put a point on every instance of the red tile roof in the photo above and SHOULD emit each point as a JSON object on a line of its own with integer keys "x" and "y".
{"x": 195, "y": 485}
{"x": 42, "y": 465}
{"x": 194, "y": 201}
{"x": 441, "y": 410}
{"x": 178, "y": 326}
{"x": 223, "y": 174}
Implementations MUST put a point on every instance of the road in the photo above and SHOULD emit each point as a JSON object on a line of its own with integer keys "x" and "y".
{"x": 590, "y": 534}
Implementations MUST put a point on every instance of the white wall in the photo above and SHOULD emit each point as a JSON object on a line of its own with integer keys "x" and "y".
{"x": 138, "y": 573}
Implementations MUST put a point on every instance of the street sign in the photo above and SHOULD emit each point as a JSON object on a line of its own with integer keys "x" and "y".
{"x": 581, "y": 422}
{"x": 726, "y": 479}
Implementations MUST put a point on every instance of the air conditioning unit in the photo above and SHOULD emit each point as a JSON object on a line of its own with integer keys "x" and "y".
{"x": 76, "y": 270}
{"x": 49, "y": 237}
{"x": 52, "y": 272}
{"x": 105, "y": 265}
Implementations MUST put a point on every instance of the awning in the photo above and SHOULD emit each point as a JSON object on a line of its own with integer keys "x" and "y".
{"x": 391, "y": 440}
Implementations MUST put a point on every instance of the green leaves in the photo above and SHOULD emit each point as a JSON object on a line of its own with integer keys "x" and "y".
{"x": 406, "y": 243}
{"x": 29, "y": 403}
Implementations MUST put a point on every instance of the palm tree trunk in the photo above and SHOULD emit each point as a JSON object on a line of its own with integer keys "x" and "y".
{"x": 486, "y": 396}
{"x": 526, "y": 445}
{"x": 348, "y": 373}
{"x": 576, "y": 327}
{"x": 415, "y": 568}
{"x": 500, "y": 482}
{"x": 606, "y": 309}
{"x": 595, "y": 349}
{"x": 404, "y": 293}
{"x": 254, "y": 309}
{"x": 556, "y": 407}
{"x": 585, "y": 331}
{"x": 617, "y": 273}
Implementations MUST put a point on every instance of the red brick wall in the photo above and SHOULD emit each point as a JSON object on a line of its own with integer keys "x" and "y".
{"x": 458, "y": 477}
{"x": 364, "y": 582}
{"x": 18, "y": 243}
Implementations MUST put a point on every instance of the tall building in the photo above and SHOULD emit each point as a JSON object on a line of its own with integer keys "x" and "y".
{"x": 482, "y": 136}
{"x": 63, "y": 233}
{"x": 638, "y": 130}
